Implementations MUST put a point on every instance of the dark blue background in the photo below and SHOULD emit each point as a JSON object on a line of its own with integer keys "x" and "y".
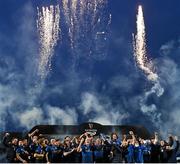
{"x": 19, "y": 45}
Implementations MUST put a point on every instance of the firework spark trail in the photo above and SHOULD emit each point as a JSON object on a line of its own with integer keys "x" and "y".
{"x": 73, "y": 22}
{"x": 70, "y": 14}
{"x": 81, "y": 17}
{"x": 140, "y": 47}
{"x": 48, "y": 28}
{"x": 86, "y": 26}
{"x": 65, "y": 4}
{"x": 140, "y": 54}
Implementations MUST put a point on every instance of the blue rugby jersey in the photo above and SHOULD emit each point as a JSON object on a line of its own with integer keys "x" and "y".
{"x": 87, "y": 154}
{"x": 98, "y": 152}
{"x": 138, "y": 154}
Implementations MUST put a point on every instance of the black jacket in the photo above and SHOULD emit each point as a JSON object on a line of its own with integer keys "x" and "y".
{"x": 10, "y": 150}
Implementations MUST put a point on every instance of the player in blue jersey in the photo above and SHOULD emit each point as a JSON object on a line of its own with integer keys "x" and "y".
{"x": 87, "y": 151}
{"x": 21, "y": 153}
{"x": 49, "y": 155}
{"x": 39, "y": 154}
{"x": 130, "y": 148}
{"x": 146, "y": 151}
{"x": 98, "y": 151}
{"x": 138, "y": 152}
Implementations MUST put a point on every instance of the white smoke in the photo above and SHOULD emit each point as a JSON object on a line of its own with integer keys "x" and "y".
{"x": 30, "y": 117}
{"x": 167, "y": 48}
{"x": 67, "y": 116}
{"x": 36, "y": 116}
{"x": 103, "y": 113}
{"x": 151, "y": 110}
{"x": 170, "y": 74}
{"x": 6, "y": 101}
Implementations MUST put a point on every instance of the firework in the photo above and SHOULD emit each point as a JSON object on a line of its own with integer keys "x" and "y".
{"x": 48, "y": 28}
{"x": 139, "y": 43}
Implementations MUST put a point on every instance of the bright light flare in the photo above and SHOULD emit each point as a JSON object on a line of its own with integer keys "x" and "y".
{"x": 140, "y": 53}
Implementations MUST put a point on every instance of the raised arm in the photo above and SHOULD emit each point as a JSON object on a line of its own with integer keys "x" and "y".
{"x": 124, "y": 138}
{"x": 67, "y": 153}
{"x": 156, "y": 138}
{"x": 82, "y": 137}
{"x": 6, "y": 140}
{"x": 133, "y": 137}
{"x": 33, "y": 133}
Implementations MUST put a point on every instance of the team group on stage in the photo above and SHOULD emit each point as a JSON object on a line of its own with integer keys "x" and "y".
{"x": 88, "y": 148}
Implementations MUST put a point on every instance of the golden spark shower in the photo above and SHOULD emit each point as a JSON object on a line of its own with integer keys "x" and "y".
{"x": 86, "y": 29}
{"x": 88, "y": 23}
{"x": 140, "y": 53}
{"x": 48, "y": 28}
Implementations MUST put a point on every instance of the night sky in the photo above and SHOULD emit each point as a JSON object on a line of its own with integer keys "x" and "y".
{"x": 104, "y": 88}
